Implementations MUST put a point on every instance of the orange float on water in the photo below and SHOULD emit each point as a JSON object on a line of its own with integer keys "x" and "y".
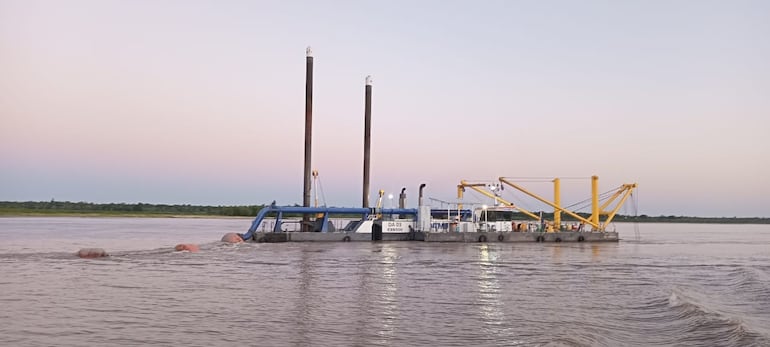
{"x": 190, "y": 247}
{"x": 91, "y": 253}
{"x": 232, "y": 238}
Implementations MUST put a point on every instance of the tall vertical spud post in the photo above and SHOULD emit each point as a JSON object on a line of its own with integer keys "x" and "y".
{"x": 367, "y": 138}
{"x": 308, "y": 133}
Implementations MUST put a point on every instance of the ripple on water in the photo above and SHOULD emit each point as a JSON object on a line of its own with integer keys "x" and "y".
{"x": 640, "y": 293}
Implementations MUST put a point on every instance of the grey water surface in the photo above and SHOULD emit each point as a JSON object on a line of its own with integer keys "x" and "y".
{"x": 674, "y": 284}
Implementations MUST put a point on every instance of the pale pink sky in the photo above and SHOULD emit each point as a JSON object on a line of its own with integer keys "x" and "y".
{"x": 203, "y": 102}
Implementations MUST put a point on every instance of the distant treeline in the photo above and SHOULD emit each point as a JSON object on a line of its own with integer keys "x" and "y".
{"x": 13, "y": 208}
{"x": 685, "y": 219}
{"x": 659, "y": 219}
{"x": 67, "y": 207}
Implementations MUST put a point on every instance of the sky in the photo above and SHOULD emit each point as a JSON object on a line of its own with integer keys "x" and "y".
{"x": 202, "y": 102}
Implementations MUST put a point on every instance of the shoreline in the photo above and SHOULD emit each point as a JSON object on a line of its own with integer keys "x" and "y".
{"x": 647, "y": 220}
{"x": 116, "y": 215}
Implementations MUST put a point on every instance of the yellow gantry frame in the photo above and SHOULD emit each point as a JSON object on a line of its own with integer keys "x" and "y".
{"x": 475, "y": 186}
{"x": 596, "y": 210}
{"x": 625, "y": 190}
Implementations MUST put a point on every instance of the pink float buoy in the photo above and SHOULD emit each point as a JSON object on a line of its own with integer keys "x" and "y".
{"x": 91, "y": 253}
{"x": 190, "y": 247}
{"x": 232, "y": 238}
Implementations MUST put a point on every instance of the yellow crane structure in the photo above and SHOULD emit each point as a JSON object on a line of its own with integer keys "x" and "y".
{"x": 607, "y": 208}
{"x": 476, "y": 186}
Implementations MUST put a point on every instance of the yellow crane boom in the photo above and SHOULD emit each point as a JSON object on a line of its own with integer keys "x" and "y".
{"x": 475, "y": 186}
{"x": 556, "y": 207}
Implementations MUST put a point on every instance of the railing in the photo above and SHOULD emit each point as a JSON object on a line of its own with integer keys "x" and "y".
{"x": 291, "y": 225}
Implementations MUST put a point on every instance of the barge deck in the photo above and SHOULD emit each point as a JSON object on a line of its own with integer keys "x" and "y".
{"x": 419, "y": 236}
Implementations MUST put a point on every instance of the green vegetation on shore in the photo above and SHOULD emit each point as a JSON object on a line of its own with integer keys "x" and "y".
{"x": 664, "y": 219}
{"x": 67, "y": 208}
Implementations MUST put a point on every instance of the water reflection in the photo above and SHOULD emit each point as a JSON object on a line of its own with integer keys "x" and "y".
{"x": 556, "y": 253}
{"x": 377, "y": 293}
{"x": 305, "y": 297}
{"x": 683, "y": 285}
{"x": 489, "y": 300}
{"x": 389, "y": 298}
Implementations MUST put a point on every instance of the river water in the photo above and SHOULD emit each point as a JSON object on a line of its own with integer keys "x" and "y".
{"x": 674, "y": 284}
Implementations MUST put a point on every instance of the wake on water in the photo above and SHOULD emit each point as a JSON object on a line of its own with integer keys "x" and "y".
{"x": 701, "y": 320}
